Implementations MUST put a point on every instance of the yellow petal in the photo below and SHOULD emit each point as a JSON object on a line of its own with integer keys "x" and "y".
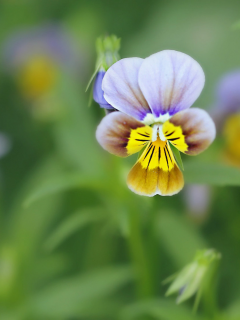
{"x": 151, "y": 182}
{"x": 158, "y": 154}
{"x": 170, "y": 183}
{"x": 139, "y": 138}
{"x": 175, "y": 135}
{"x": 156, "y": 172}
{"x": 231, "y": 132}
{"x": 143, "y": 181}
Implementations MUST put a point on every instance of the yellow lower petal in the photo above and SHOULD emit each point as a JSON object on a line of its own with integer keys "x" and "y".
{"x": 158, "y": 154}
{"x": 156, "y": 171}
{"x": 143, "y": 181}
{"x": 170, "y": 183}
{"x": 151, "y": 182}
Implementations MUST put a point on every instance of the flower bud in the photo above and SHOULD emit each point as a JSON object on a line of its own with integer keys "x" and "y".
{"x": 191, "y": 278}
{"x": 98, "y": 92}
{"x": 107, "y": 54}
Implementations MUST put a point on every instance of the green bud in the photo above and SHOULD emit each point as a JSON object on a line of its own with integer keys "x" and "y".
{"x": 107, "y": 51}
{"x": 191, "y": 278}
{"x": 107, "y": 54}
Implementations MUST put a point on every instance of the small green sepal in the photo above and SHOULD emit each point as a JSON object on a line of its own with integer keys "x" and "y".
{"x": 177, "y": 156}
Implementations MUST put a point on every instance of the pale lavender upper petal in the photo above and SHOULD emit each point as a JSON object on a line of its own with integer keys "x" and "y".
{"x": 121, "y": 89}
{"x": 170, "y": 81}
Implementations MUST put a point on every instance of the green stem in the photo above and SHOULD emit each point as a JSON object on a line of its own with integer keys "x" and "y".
{"x": 197, "y": 301}
{"x": 210, "y": 293}
{"x": 139, "y": 257}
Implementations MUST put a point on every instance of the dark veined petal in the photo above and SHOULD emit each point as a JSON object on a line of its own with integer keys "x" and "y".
{"x": 151, "y": 182}
{"x": 114, "y": 131}
{"x": 156, "y": 172}
{"x": 121, "y": 89}
{"x": 197, "y": 128}
{"x": 170, "y": 81}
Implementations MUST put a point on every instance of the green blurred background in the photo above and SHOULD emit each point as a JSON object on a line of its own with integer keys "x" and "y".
{"x": 75, "y": 243}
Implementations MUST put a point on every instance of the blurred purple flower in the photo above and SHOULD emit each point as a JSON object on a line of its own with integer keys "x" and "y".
{"x": 197, "y": 199}
{"x": 98, "y": 91}
{"x": 227, "y": 99}
{"x": 226, "y": 113}
{"x": 37, "y": 56}
{"x": 50, "y": 40}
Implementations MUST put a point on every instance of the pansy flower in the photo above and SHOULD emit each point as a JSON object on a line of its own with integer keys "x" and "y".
{"x": 153, "y": 96}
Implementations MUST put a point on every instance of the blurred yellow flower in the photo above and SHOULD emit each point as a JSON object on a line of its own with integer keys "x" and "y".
{"x": 231, "y": 133}
{"x": 37, "y": 76}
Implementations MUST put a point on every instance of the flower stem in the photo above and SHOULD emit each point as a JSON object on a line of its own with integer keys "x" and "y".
{"x": 139, "y": 257}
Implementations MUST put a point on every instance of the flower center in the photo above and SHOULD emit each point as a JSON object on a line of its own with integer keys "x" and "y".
{"x": 157, "y": 131}
{"x": 151, "y": 119}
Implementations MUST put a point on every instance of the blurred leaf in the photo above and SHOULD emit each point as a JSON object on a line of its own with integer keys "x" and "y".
{"x": 72, "y": 224}
{"x": 39, "y": 216}
{"x": 50, "y": 266}
{"x": 159, "y": 309}
{"x": 212, "y": 174}
{"x": 68, "y": 298}
{"x": 75, "y": 133}
{"x": 103, "y": 309}
{"x": 180, "y": 239}
{"x": 236, "y": 25}
{"x": 233, "y": 311}
{"x": 63, "y": 183}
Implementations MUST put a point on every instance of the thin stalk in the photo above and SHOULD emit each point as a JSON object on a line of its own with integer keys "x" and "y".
{"x": 139, "y": 257}
{"x": 209, "y": 297}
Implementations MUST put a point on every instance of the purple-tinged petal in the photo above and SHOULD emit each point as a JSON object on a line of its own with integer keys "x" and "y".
{"x": 228, "y": 93}
{"x": 170, "y": 81}
{"x": 121, "y": 89}
{"x": 197, "y": 200}
{"x": 114, "y": 131}
{"x": 197, "y": 127}
{"x": 98, "y": 92}
{"x": 227, "y": 98}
